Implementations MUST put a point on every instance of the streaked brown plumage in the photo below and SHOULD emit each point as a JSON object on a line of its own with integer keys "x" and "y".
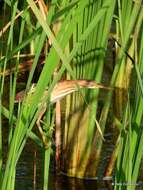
{"x": 63, "y": 88}
{"x": 60, "y": 90}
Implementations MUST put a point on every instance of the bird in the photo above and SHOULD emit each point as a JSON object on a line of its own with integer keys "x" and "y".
{"x": 60, "y": 90}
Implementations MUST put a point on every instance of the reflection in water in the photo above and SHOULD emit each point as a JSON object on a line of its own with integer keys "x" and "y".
{"x": 25, "y": 173}
{"x": 69, "y": 183}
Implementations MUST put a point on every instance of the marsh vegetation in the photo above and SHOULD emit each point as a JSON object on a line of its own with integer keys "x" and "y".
{"x": 76, "y": 43}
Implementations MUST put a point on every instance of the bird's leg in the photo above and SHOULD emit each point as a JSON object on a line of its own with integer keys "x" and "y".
{"x": 43, "y": 136}
{"x": 58, "y": 134}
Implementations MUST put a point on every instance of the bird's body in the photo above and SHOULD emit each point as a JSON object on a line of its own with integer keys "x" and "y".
{"x": 66, "y": 87}
{"x": 62, "y": 88}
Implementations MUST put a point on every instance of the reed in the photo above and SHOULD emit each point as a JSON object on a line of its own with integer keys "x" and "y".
{"x": 21, "y": 129}
{"x": 80, "y": 150}
{"x": 128, "y": 152}
{"x": 71, "y": 38}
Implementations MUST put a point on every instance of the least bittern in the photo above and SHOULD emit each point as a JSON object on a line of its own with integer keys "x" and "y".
{"x": 61, "y": 89}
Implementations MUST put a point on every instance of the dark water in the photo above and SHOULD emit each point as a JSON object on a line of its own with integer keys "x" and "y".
{"x": 25, "y": 173}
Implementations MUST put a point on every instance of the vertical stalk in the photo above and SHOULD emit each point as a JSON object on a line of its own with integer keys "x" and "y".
{"x": 47, "y": 156}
